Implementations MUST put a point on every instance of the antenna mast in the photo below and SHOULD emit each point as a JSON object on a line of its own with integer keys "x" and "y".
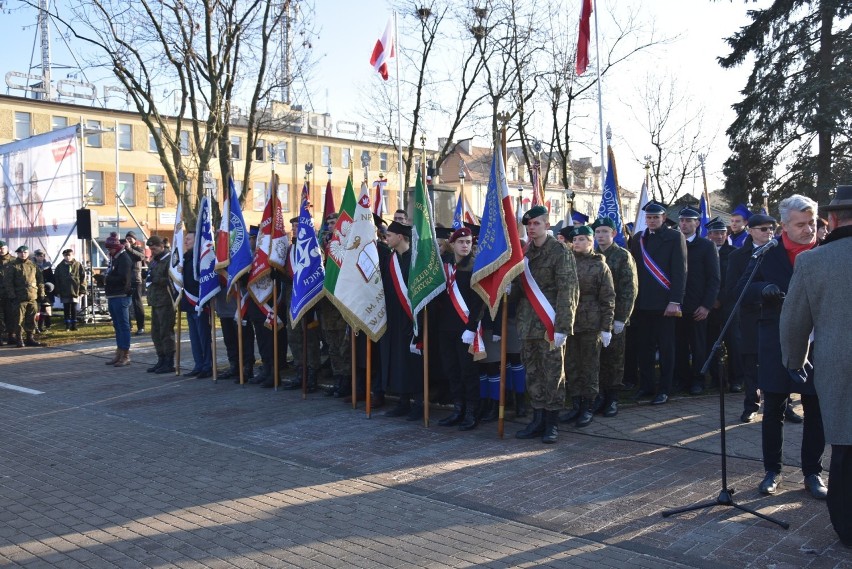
{"x": 44, "y": 31}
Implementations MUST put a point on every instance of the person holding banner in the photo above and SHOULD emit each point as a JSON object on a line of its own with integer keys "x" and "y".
{"x": 547, "y": 295}
{"x": 198, "y": 322}
{"x": 460, "y": 340}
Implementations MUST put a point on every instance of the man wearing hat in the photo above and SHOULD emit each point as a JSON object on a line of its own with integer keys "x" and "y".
{"x": 702, "y": 289}
{"x": 660, "y": 256}
{"x": 578, "y": 219}
{"x": 162, "y": 307}
{"x": 819, "y": 308}
{"x": 137, "y": 254}
{"x": 739, "y": 218}
{"x": 25, "y": 288}
{"x": 769, "y": 287}
{"x": 554, "y": 272}
{"x": 70, "y": 284}
{"x": 624, "y": 279}
{"x": 7, "y": 320}
{"x": 118, "y": 291}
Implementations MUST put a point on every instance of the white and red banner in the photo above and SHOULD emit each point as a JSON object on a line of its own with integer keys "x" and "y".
{"x": 539, "y": 302}
{"x": 384, "y": 51}
{"x": 477, "y": 348}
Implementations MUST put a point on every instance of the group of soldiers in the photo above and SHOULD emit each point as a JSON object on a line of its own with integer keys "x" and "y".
{"x": 22, "y": 291}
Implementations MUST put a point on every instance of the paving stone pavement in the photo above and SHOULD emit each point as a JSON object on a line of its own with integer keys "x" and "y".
{"x": 114, "y": 467}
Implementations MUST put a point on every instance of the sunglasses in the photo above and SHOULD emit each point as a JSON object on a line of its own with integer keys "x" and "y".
{"x": 764, "y": 229}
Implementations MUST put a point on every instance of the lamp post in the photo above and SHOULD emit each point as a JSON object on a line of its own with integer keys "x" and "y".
{"x": 462, "y": 176}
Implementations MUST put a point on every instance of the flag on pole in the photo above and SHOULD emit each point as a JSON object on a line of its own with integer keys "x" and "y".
{"x": 583, "y": 37}
{"x": 271, "y": 250}
{"x": 353, "y": 279}
{"x": 500, "y": 258}
{"x": 176, "y": 263}
{"x": 308, "y": 270}
{"x": 328, "y": 208}
{"x": 639, "y": 226}
{"x": 610, "y": 206}
{"x": 233, "y": 238}
{"x": 469, "y": 217}
{"x": 705, "y": 216}
{"x": 204, "y": 256}
{"x": 458, "y": 215}
{"x": 537, "y": 197}
{"x": 384, "y": 51}
{"x": 426, "y": 278}
{"x": 379, "y": 199}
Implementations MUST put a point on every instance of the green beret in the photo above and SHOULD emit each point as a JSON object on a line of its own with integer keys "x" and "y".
{"x": 567, "y": 232}
{"x": 21, "y": 249}
{"x": 2, "y": 243}
{"x": 604, "y": 222}
{"x": 584, "y": 230}
{"x": 535, "y": 211}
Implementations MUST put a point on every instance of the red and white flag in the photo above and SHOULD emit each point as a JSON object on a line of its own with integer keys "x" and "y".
{"x": 384, "y": 51}
{"x": 583, "y": 37}
{"x": 379, "y": 207}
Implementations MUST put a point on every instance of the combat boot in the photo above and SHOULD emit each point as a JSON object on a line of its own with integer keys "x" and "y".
{"x": 585, "y": 416}
{"x": 490, "y": 411}
{"x": 168, "y": 365}
{"x": 571, "y": 414}
{"x": 597, "y": 404}
{"x": 455, "y": 417}
{"x": 32, "y": 342}
{"x": 469, "y": 421}
{"x": 73, "y": 325}
{"x": 124, "y": 359}
{"x": 551, "y": 430}
{"x": 535, "y": 428}
{"x": 611, "y": 407}
{"x": 114, "y": 359}
{"x": 19, "y": 341}
{"x": 156, "y": 366}
{"x": 312, "y": 381}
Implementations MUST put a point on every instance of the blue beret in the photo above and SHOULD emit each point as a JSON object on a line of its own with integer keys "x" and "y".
{"x": 689, "y": 213}
{"x": 743, "y": 211}
{"x": 578, "y": 217}
{"x": 654, "y": 208}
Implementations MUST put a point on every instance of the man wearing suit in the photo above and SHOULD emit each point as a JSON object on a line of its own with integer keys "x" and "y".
{"x": 769, "y": 287}
{"x": 702, "y": 288}
{"x": 660, "y": 255}
{"x": 820, "y": 306}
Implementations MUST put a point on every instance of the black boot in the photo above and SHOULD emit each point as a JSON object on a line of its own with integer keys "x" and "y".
{"x": 490, "y": 411}
{"x": 535, "y": 428}
{"x": 416, "y": 412}
{"x": 597, "y": 404}
{"x": 248, "y": 374}
{"x": 585, "y": 417}
{"x": 232, "y": 371}
{"x": 262, "y": 375}
{"x": 168, "y": 365}
{"x": 469, "y": 420}
{"x": 571, "y": 414}
{"x": 312, "y": 381}
{"x": 551, "y": 420}
{"x": 455, "y": 417}
{"x": 31, "y": 342}
{"x": 156, "y": 366}
{"x": 611, "y": 407}
{"x": 520, "y": 405}
{"x": 401, "y": 409}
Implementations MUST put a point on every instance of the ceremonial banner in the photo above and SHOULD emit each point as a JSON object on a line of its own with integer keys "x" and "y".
{"x": 583, "y": 37}
{"x": 610, "y": 206}
{"x": 204, "y": 256}
{"x": 328, "y": 208}
{"x": 640, "y": 224}
{"x": 234, "y": 238}
{"x": 426, "y": 278}
{"x": 500, "y": 258}
{"x": 271, "y": 250}
{"x": 705, "y": 217}
{"x": 458, "y": 215}
{"x": 384, "y": 51}
{"x": 379, "y": 206}
{"x": 353, "y": 280}
{"x": 176, "y": 267}
{"x": 308, "y": 270}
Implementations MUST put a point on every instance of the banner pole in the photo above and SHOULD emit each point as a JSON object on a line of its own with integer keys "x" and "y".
{"x": 213, "y": 337}
{"x": 504, "y": 329}
{"x": 240, "y": 334}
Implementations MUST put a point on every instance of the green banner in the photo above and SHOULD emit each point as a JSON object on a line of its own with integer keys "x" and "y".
{"x": 426, "y": 279}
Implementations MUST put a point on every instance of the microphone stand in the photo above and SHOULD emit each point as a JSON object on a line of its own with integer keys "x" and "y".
{"x": 725, "y": 497}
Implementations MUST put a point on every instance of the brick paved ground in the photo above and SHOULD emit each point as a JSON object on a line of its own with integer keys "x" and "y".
{"x": 119, "y": 468}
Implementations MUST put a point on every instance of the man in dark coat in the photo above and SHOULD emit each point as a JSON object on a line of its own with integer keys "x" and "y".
{"x": 137, "y": 254}
{"x": 702, "y": 288}
{"x": 819, "y": 308}
{"x": 660, "y": 255}
{"x": 770, "y": 284}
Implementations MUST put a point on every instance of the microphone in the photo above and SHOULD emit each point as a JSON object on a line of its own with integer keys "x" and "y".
{"x": 761, "y": 251}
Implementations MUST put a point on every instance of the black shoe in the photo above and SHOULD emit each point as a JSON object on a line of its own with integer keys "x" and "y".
{"x": 156, "y": 366}
{"x": 416, "y": 412}
{"x": 770, "y": 483}
{"x": 400, "y": 410}
{"x": 490, "y": 411}
{"x": 748, "y": 416}
{"x": 816, "y": 487}
{"x": 611, "y": 409}
{"x": 792, "y": 416}
{"x": 535, "y": 428}
{"x": 660, "y": 399}
{"x": 585, "y": 417}
{"x": 229, "y": 373}
{"x": 468, "y": 421}
{"x": 192, "y": 373}
{"x": 377, "y": 400}
{"x": 290, "y": 384}
{"x": 696, "y": 389}
{"x": 205, "y": 374}
{"x": 597, "y": 404}
{"x": 571, "y": 414}
{"x": 551, "y": 430}
{"x": 453, "y": 418}
{"x": 736, "y": 388}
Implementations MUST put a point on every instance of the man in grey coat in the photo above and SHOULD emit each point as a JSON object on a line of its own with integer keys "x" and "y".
{"x": 820, "y": 306}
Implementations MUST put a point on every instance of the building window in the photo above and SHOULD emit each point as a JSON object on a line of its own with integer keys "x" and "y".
{"x": 127, "y": 188}
{"x": 125, "y": 137}
{"x": 22, "y": 125}
{"x": 57, "y": 123}
{"x": 284, "y": 196}
{"x": 258, "y": 198}
{"x": 152, "y": 140}
{"x": 260, "y": 150}
{"x": 236, "y": 148}
{"x": 345, "y": 158}
{"x": 156, "y": 191}
{"x": 383, "y": 161}
{"x": 326, "y": 156}
{"x": 281, "y": 153}
{"x": 184, "y": 143}
{"x": 94, "y": 140}
{"x": 95, "y": 187}
{"x": 513, "y": 173}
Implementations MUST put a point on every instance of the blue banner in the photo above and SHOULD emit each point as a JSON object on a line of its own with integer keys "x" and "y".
{"x": 705, "y": 217}
{"x": 308, "y": 268}
{"x": 205, "y": 256}
{"x": 239, "y": 247}
{"x": 609, "y": 201}
{"x": 458, "y": 216}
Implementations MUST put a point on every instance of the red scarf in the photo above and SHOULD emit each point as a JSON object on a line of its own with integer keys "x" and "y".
{"x": 793, "y": 249}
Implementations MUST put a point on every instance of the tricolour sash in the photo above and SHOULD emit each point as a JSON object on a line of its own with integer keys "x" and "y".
{"x": 539, "y": 302}
{"x": 477, "y": 348}
{"x": 652, "y": 267}
{"x": 399, "y": 285}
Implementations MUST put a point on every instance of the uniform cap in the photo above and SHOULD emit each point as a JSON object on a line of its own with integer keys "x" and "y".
{"x": 715, "y": 224}
{"x": 578, "y": 217}
{"x": 743, "y": 211}
{"x": 2, "y": 244}
{"x": 400, "y": 229}
{"x": 21, "y": 249}
{"x": 583, "y": 230}
{"x": 567, "y": 232}
{"x": 532, "y": 213}
{"x": 654, "y": 208}
{"x": 689, "y": 213}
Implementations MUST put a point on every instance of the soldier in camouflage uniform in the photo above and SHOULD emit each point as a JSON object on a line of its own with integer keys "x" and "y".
{"x": 626, "y": 282}
{"x": 7, "y": 321}
{"x": 25, "y": 288}
{"x": 553, "y": 268}
{"x": 161, "y": 301}
{"x": 339, "y": 348}
{"x": 592, "y": 326}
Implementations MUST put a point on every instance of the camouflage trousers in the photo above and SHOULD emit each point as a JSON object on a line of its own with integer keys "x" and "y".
{"x": 545, "y": 374}
{"x": 26, "y": 317}
{"x": 339, "y": 351}
{"x": 295, "y": 339}
{"x": 582, "y": 364}
{"x": 612, "y": 364}
{"x": 163, "y": 329}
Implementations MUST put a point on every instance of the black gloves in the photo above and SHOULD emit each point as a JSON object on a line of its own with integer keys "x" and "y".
{"x": 772, "y": 294}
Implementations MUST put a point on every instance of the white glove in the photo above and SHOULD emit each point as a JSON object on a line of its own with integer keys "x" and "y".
{"x": 468, "y": 337}
{"x": 414, "y": 349}
{"x": 559, "y": 339}
{"x": 606, "y": 338}
{"x": 495, "y": 338}
{"x": 618, "y": 327}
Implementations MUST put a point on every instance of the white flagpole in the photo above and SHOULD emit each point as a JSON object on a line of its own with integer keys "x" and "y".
{"x": 600, "y": 104}
{"x": 398, "y": 113}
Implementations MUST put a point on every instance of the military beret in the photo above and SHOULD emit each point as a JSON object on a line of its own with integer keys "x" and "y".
{"x": 68, "y": 252}
{"x": 689, "y": 213}
{"x": 400, "y": 229}
{"x": 463, "y": 232}
{"x": 715, "y": 224}
{"x": 578, "y": 217}
{"x": 654, "y": 208}
{"x": 760, "y": 219}
{"x": 21, "y": 249}
{"x": 583, "y": 230}
{"x": 604, "y": 222}
{"x": 533, "y": 212}
{"x": 2, "y": 244}
{"x": 567, "y": 232}
{"x": 38, "y": 252}
{"x": 743, "y": 211}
